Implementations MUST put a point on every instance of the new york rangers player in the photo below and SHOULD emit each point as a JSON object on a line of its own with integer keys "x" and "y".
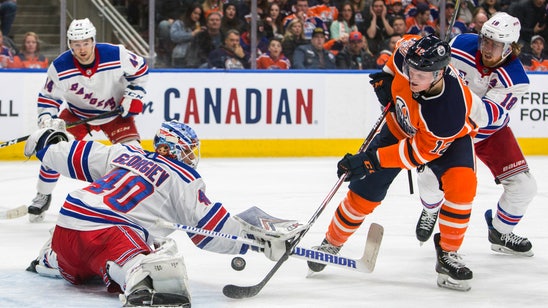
{"x": 108, "y": 229}
{"x": 489, "y": 64}
{"x": 87, "y": 80}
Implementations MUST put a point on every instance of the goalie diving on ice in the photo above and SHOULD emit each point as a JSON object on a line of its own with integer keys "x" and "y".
{"x": 129, "y": 190}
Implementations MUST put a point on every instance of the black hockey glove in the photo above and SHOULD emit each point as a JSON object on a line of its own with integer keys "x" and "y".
{"x": 382, "y": 83}
{"x": 358, "y": 165}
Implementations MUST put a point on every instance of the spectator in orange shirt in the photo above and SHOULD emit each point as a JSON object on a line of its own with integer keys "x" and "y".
{"x": 274, "y": 58}
{"x": 385, "y": 54}
{"x": 30, "y": 56}
{"x": 535, "y": 61}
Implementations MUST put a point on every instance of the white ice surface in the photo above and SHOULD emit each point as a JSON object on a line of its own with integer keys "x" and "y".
{"x": 294, "y": 188}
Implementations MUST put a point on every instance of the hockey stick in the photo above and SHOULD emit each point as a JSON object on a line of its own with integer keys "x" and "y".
{"x": 447, "y": 37}
{"x": 366, "y": 264}
{"x": 234, "y": 291}
{"x": 83, "y": 121}
{"x": 14, "y": 213}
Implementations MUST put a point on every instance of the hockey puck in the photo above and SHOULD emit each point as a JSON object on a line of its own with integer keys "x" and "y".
{"x": 238, "y": 263}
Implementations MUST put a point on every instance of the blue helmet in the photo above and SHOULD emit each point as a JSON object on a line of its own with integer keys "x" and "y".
{"x": 177, "y": 140}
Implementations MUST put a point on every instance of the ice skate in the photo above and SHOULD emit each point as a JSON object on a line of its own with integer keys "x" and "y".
{"x": 143, "y": 295}
{"x": 326, "y": 247}
{"x": 508, "y": 243}
{"x": 40, "y": 204}
{"x": 150, "y": 298}
{"x": 452, "y": 272}
{"x": 425, "y": 225}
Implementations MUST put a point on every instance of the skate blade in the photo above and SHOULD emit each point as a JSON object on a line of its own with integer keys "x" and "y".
{"x": 444, "y": 281}
{"x": 158, "y": 300}
{"x": 508, "y": 251}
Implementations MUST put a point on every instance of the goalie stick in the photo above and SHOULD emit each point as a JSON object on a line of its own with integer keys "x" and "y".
{"x": 366, "y": 264}
{"x": 234, "y": 291}
{"x": 14, "y": 213}
{"x": 83, "y": 121}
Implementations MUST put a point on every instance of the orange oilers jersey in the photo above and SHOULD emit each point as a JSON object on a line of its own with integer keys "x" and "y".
{"x": 424, "y": 126}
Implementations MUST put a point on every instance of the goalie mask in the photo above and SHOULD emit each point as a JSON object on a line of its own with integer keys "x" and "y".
{"x": 179, "y": 141}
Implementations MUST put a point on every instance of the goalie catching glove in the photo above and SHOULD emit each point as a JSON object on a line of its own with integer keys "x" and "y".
{"x": 274, "y": 233}
{"x": 43, "y": 138}
{"x": 358, "y": 166}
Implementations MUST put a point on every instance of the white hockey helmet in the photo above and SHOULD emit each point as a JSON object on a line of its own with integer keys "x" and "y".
{"x": 502, "y": 28}
{"x": 178, "y": 140}
{"x": 80, "y": 29}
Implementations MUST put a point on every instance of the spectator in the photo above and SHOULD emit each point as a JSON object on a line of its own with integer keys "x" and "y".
{"x": 273, "y": 22}
{"x": 458, "y": 27}
{"x": 395, "y": 9}
{"x": 532, "y": 16}
{"x": 262, "y": 39}
{"x": 356, "y": 54}
{"x": 274, "y": 58}
{"x": 8, "y": 10}
{"x": 385, "y": 54}
{"x": 30, "y": 56}
{"x": 535, "y": 60}
{"x": 399, "y": 26}
{"x": 183, "y": 31}
{"x": 412, "y": 10}
{"x": 293, "y": 37}
{"x": 377, "y": 26}
{"x": 359, "y": 7}
{"x": 204, "y": 42}
{"x": 326, "y": 11}
{"x": 230, "y": 19}
{"x": 6, "y": 56}
{"x": 480, "y": 17}
{"x": 421, "y": 24}
{"x": 310, "y": 21}
{"x": 313, "y": 55}
{"x": 230, "y": 55}
{"x": 466, "y": 12}
{"x": 167, "y": 12}
{"x": 345, "y": 23}
{"x": 491, "y": 7}
{"x": 210, "y": 6}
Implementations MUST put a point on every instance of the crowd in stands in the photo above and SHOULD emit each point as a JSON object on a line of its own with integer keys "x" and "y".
{"x": 326, "y": 34}
{"x": 355, "y": 34}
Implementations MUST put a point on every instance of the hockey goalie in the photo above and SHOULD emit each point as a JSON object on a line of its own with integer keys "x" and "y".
{"x": 108, "y": 229}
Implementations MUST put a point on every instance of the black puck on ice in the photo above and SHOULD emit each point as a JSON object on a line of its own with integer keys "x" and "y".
{"x": 238, "y": 263}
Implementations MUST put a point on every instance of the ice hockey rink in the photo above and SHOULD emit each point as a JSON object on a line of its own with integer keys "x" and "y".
{"x": 294, "y": 188}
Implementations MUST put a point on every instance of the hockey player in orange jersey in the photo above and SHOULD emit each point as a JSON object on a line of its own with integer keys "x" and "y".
{"x": 430, "y": 122}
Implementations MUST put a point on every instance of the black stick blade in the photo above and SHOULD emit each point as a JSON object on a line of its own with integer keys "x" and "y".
{"x": 237, "y": 292}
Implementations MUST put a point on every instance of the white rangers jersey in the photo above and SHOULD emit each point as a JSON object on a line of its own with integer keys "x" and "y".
{"x": 90, "y": 92}
{"x": 500, "y": 88}
{"x": 133, "y": 187}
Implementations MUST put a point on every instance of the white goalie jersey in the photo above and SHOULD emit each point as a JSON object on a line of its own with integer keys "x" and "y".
{"x": 133, "y": 187}
{"x": 89, "y": 92}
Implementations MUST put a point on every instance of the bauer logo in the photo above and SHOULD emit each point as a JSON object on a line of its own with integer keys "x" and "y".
{"x": 324, "y": 257}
